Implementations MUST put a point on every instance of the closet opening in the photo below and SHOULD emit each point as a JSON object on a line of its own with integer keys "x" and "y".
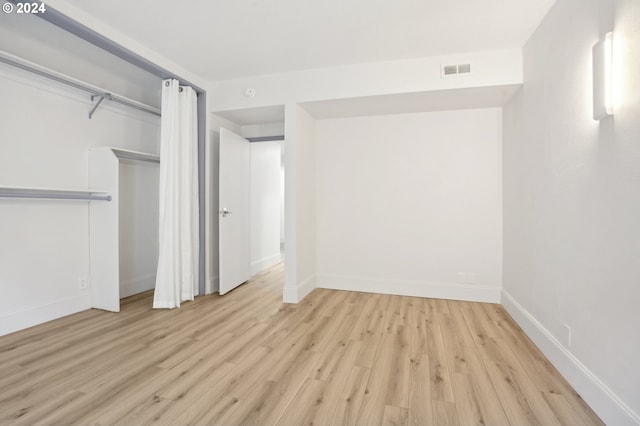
{"x": 104, "y": 44}
{"x": 138, "y": 228}
{"x": 90, "y": 97}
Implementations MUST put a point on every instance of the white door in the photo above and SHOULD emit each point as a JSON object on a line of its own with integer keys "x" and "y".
{"x": 234, "y": 246}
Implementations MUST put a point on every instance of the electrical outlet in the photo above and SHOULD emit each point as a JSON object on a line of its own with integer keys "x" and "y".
{"x": 462, "y": 278}
{"x": 83, "y": 283}
{"x": 568, "y": 342}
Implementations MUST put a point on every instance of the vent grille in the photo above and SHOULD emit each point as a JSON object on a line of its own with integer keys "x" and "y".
{"x": 464, "y": 68}
{"x": 451, "y": 70}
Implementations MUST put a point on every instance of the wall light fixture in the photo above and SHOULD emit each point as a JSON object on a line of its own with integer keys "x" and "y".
{"x": 602, "y": 77}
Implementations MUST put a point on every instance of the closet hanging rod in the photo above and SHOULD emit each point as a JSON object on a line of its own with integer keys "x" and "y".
{"x": 31, "y": 67}
{"x": 53, "y": 194}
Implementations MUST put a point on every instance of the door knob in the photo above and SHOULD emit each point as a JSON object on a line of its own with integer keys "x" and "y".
{"x": 224, "y": 212}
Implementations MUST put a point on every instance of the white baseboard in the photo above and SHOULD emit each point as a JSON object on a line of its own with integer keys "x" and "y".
{"x": 137, "y": 285}
{"x": 38, "y": 314}
{"x": 474, "y": 293}
{"x": 264, "y": 263}
{"x": 606, "y": 404}
{"x": 296, "y": 294}
{"x": 306, "y": 287}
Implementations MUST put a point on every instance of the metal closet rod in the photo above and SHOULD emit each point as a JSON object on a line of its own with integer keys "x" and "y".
{"x": 95, "y": 91}
{"x": 53, "y": 194}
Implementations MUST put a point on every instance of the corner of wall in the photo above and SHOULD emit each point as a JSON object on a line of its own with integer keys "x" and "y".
{"x": 611, "y": 409}
{"x": 213, "y": 285}
{"x": 426, "y": 289}
{"x": 296, "y": 294}
{"x": 264, "y": 263}
{"x": 38, "y": 314}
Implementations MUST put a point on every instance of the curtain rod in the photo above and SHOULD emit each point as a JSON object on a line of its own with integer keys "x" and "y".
{"x": 95, "y": 91}
{"x": 54, "y": 194}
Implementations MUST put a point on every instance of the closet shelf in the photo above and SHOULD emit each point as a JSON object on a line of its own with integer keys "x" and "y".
{"x": 135, "y": 155}
{"x": 95, "y": 91}
{"x": 53, "y": 194}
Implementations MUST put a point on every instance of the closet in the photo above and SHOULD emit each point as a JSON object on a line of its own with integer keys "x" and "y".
{"x": 51, "y": 197}
{"x": 79, "y": 139}
{"x": 123, "y": 234}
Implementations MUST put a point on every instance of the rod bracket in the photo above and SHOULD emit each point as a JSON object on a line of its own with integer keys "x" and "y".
{"x": 102, "y": 97}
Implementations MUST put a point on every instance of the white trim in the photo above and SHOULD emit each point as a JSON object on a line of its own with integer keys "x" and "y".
{"x": 606, "y": 404}
{"x": 38, "y": 314}
{"x": 436, "y": 290}
{"x": 290, "y": 294}
{"x": 306, "y": 287}
{"x": 264, "y": 263}
{"x": 296, "y": 294}
{"x": 137, "y": 285}
{"x": 209, "y": 249}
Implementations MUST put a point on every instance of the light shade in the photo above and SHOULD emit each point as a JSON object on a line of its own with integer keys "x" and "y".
{"x": 602, "y": 77}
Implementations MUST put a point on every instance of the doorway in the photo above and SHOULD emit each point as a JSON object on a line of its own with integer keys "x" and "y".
{"x": 246, "y": 197}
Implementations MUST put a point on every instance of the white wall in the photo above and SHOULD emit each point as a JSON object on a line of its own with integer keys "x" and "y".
{"x": 407, "y": 202}
{"x": 138, "y": 226}
{"x": 282, "y": 199}
{"x": 571, "y": 205}
{"x": 300, "y": 193}
{"x": 263, "y": 129}
{"x": 305, "y": 202}
{"x": 493, "y": 68}
{"x": 265, "y": 205}
{"x": 45, "y": 140}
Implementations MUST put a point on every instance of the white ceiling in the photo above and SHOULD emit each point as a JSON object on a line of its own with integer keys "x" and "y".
{"x": 250, "y": 116}
{"x": 227, "y": 39}
{"x": 402, "y": 103}
{"x": 405, "y": 103}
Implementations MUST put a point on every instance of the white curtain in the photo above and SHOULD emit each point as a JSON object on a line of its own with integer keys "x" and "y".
{"x": 177, "y": 278}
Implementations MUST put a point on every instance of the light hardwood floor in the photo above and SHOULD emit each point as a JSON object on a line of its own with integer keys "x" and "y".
{"x": 336, "y": 358}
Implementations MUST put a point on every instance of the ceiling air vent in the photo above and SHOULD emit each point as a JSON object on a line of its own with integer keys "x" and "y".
{"x": 464, "y": 68}
{"x": 451, "y": 70}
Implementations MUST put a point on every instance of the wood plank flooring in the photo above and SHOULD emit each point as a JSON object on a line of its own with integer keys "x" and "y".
{"x": 336, "y": 358}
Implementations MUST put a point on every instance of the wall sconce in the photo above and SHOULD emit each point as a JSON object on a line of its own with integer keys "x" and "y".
{"x": 602, "y": 77}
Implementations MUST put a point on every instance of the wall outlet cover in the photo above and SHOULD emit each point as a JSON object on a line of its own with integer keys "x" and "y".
{"x": 568, "y": 328}
{"x": 83, "y": 283}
